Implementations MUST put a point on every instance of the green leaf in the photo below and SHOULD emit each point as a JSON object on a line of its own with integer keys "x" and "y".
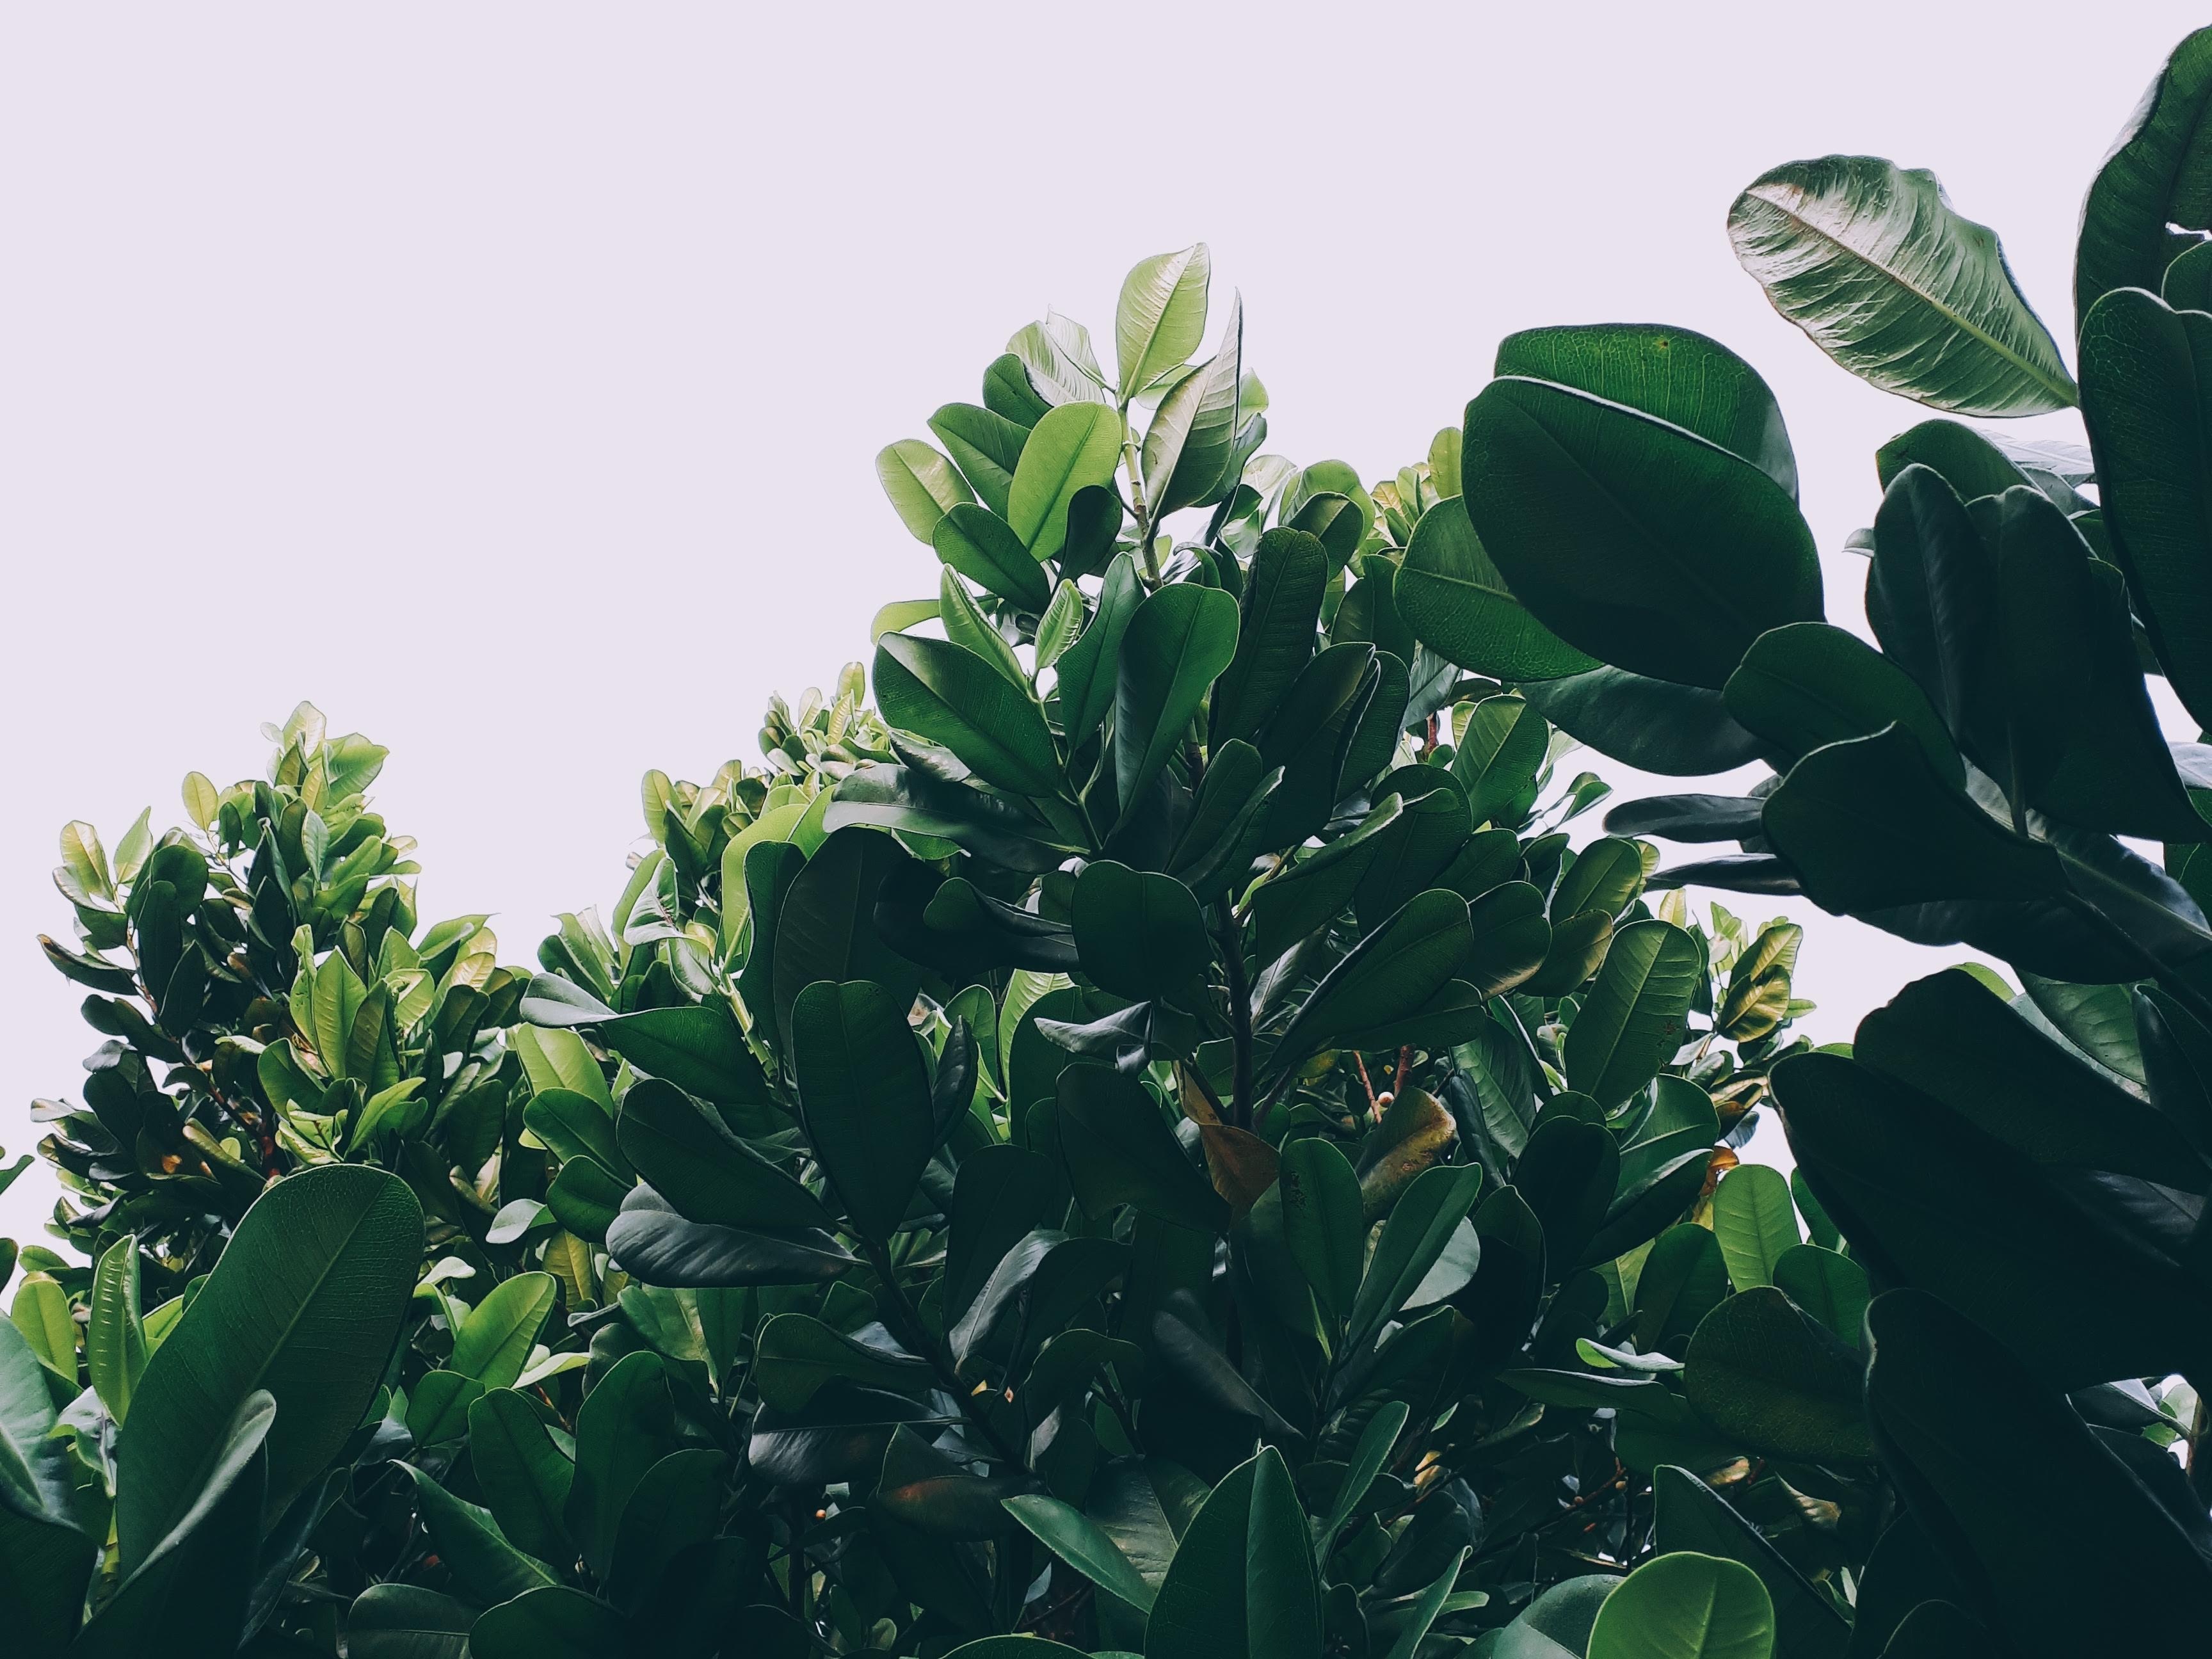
{"x": 1139, "y": 935}
{"x": 673, "y": 1511}
{"x": 1176, "y": 646}
{"x": 1605, "y": 876}
{"x": 1389, "y": 976}
{"x": 1242, "y": 1584}
{"x": 1071, "y": 448}
{"x": 1681, "y": 377}
{"x": 1457, "y": 605}
{"x": 623, "y": 1428}
{"x": 1691, "y": 1515}
{"x": 438, "y": 1409}
{"x": 1118, "y": 1149}
{"x": 1873, "y": 264}
{"x": 114, "y": 1341}
{"x": 1633, "y": 540}
{"x": 585, "y": 1196}
{"x": 1419, "y": 1226}
{"x": 574, "y": 1126}
{"x": 864, "y": 1098}
{"x": 825, "y": 926}
{"x": 2152, "y": 180}
{"x": 1960, "y": 456}
{"x": 485, "y": 1565}
{"x": 795, "y": 1354}
{"x": 1869, "y": 824}
{"x": 967, "y": 626}
{"x": 1061, "y": 622}
{"x": 954, "y": 698}
{"x": 1276, "y": 618}
{"x": 708, "y": 1173}
{"x": 559, "y": 1060}
{"x": 986, "y": 445}
{"x": 1655, "y": 726}
{"x": 1160, "y": 317}
{"x": 1631, "y": 1020}
{"x": 189, "y": 1594}
{"x": 650, "y": 1241}
{"x": 1775, "y": 1381}
{"x": 1322, "y": 1221}
{"x": 406, "y": 1621}
{"x": 496, "y": 1339}
{"x": 1831, "y": 1288}
{"x": 982, "y": 546}
{"x": 2147, "y": 400}
{"x": 695, "y": 1047}
{"x": 1810, "y": 685}
{"x": 1371, "y": 1452}
{"x": 306, "y": 1304}
{"x": 1089, "y": 670}
{"x": 921, "y": 483}
{"x": 552, "y": 1622}
{"x": 524, "y": 1476}
{"x": 1084, "y": 1545}
{"x": 1191, "y": 450}
{"x": 2080, "y": 739}
{"x": 1685, "y": 1606}
{"x": 2040, "y": 1539}
{"x": 1557, "y": 1623}
{"x": 1755, "y": 1222}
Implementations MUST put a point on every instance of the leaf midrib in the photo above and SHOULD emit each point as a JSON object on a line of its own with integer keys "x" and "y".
{"x": 2063, "y": 389}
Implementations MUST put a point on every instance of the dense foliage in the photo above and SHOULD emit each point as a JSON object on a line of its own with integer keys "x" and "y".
{"x": 1154, "y": 1137}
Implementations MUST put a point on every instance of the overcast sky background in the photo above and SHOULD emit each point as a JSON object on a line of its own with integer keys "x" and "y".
{"x": 506, "y": 378}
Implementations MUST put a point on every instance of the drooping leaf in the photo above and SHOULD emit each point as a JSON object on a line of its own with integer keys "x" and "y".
{"x": 1878, "y": 270}
{"x": 1776, "y": 1381}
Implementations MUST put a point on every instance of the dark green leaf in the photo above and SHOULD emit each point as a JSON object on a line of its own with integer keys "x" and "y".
{"x": 1242, "y": 1584}
{"x": 1680, "y": 376}
{"x": 1632, "y": 1021}
{"x": 1458, "y": 604}
{"x": 305, "y": 1303}
{"x": 1632, "y": 539}
{"x": 524, "y": 1476}
{"x": 706, "y": 1172}
{"x": 1177, "y": 644}
{"x": 954, "y": 698}
{"x": 864, "y": 1097}
{"x": 2152, "y": 181}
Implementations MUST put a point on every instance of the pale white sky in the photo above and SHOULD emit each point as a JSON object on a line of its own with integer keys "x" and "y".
{"x": 506, "y": 378}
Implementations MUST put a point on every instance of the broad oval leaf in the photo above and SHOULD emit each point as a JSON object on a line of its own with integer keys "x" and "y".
{"x": 954, "y": 698}
{"x": 2153, "y": 180}
{"x": 1457, "y": 605}
{"x": 1685, "y": 1606}
{"x": 305, "y": 1304}
{"x": 864, "y": 1096}
{"x": 1070, "y": 449}
{"x": 1633, "y": 540}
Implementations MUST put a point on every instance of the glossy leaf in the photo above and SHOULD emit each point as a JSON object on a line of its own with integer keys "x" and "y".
{"x": 1242, "y": 1584}
{"x": 1878, "y": 270}
{"x": 1680, "y": 376}
{"x": 2151, "y": 182}
{"x": 524, "y": 1476}
{"x": 1755, "y": 1222}
{"x": 304, "y": 1304}
{"x": 1631, "y": 1020}
{"x": 864, "y": 1095}
{"x": 1457, "y": 603}
{"x": 1685, "y": 1606}
{"x": 1071, "y": 448}
{"x": 1177, "y": 645}
{"x": 953, "y": 697}
{"x": 1633, "y": 540}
